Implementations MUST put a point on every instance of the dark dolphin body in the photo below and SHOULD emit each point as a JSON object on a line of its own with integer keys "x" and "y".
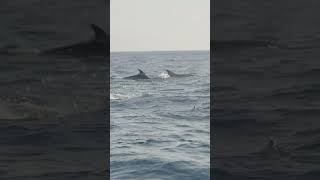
{"x": 98, "y": 46}
{"x": 141, "y": 75}
{"x": 172, "y": 74}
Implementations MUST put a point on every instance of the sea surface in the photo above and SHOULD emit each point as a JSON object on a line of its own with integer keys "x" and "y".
{"x": 52, "y": 108}
{"x": 160, "y": 128}
{"x": 266, "y": 92}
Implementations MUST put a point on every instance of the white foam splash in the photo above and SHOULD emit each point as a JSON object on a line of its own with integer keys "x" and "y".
{"x": 118, "y": 96}
{"x": 164, "y": 75}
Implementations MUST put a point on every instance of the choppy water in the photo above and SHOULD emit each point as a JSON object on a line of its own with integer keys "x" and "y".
{"x": 52, "y": 109}
{"x": 160, "y": 127}
{"x": 270, "y": 91}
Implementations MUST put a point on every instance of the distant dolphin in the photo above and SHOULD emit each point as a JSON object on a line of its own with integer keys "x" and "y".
{"x": 141, "y": 75}
{"x": 97, "y": 46}
{"x": 172, "y": 74}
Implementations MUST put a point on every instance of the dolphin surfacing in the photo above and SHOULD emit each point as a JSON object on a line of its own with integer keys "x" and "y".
{"x": 97, "y": 46}
{"x": 172, "y": 74}
{"x": 141, "y": 75}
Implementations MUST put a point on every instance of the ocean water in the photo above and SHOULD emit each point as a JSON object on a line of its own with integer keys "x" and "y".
{"x": 160, "y": 128}
{"x": 262, "y": 92}
{"x": 52, "y": 108}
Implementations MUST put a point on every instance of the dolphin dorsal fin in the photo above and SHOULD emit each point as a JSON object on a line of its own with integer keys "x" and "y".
{"x": 99, "y": 33}
{"x": 140, "y": 71}
{"x": 170, "y": 73}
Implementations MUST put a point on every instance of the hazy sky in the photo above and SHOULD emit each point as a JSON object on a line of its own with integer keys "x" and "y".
{"x": 148, "y": 25}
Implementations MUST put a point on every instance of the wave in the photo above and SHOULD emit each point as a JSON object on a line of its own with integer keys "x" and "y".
{"x": 315, "y": 146}
{"x": 309, "y": 132}
{"x": 118, "y": 96}
{"x": 15, "y": 50}
{"x": 241, "y": 44}
{"x": 151, "y": 168}
{"x": 36, "y": 138}
{"x": 226, "y": 175}
{"x": 20, "y": 82}
{"x": 297, "y": 91}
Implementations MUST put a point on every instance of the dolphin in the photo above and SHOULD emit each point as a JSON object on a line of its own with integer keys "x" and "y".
{"x": 97, "y": 46}
{"x": 141, "y": 75}
{"x": 172, "y": 74}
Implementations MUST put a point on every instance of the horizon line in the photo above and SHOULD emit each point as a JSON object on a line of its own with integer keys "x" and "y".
{"x": 157, "y": 50}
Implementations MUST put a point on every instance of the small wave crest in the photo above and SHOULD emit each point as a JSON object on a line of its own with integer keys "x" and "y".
{"x": 118, "y": 96}
{"x": 147, "y": 169}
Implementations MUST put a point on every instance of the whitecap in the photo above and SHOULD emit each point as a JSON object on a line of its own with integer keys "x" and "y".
{"x": 164, "y": 75}
{"x": 117, "y": 96}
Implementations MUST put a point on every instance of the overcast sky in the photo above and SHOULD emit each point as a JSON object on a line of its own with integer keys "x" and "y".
{"x": 157, "y": 25}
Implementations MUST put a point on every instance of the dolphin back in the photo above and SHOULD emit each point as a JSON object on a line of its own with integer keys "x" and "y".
{"x": 171, "y": 74}
{"x": 141, "y": 75}
{"x": 96, "y": 47}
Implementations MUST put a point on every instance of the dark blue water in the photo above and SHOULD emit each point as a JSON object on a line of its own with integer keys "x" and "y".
{"x": 262, "y": 92}
{"x": 52, "y": 120}
{"x": 160, "y": 127}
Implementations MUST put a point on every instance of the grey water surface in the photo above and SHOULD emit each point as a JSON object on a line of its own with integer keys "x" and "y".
{"x": 52, "y": 108}
{"x": 266, "y": 92}
{"x": 160, "y": 126}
